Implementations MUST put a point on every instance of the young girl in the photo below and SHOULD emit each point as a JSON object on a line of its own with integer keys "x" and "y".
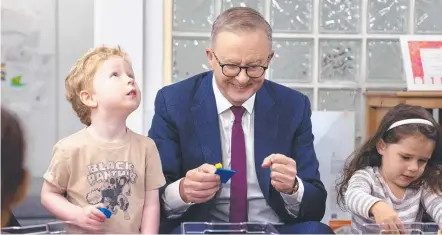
{"x": 396, "y": 175}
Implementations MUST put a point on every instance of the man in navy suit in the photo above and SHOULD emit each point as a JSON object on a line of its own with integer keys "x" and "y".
{"x": 234, "y": 116}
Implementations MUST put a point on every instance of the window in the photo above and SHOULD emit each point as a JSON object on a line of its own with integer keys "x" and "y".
{"x": 331, "y": 50}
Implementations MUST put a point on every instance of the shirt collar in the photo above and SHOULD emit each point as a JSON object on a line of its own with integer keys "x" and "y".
{"x": 222, "y": 104}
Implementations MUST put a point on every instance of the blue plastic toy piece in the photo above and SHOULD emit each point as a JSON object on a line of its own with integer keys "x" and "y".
{"x": 106, "y": 212}
{"x": 225, "y": 174}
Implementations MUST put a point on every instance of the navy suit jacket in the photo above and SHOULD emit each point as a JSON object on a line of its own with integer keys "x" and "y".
{"x": 186, "y": 131}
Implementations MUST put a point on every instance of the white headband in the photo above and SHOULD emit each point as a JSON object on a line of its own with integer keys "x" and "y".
{"x": 410, "y": 121}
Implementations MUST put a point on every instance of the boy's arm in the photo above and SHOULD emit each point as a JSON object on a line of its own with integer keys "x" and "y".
{"x": 56, "y": 179}
{"x": 55, "y": 183}
{"x": 151, "y": 213}
{"x": 55, "y": 202}
{"x": 154, "y": 179}
{"x": 89, "y": 218}
{"x": 357, "y": 196}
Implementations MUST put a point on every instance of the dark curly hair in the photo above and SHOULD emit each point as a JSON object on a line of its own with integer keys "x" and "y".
{"x": 14, "y": 173}
{"x": 367, "y": 155}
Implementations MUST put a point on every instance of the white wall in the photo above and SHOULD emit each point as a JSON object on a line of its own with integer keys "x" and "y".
{"x": 64, "y": 33}
{"x": 154, "y": 56}
{"x": 75, "y": 36}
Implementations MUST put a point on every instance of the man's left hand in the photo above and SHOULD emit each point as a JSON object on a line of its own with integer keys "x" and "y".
{"x": 282, "y": 172}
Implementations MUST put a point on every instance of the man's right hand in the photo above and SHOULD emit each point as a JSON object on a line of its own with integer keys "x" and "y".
{"x": 200, "y": 184}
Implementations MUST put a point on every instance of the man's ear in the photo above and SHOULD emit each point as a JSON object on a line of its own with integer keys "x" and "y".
{"x": 381, "y": 146}
{"x": 210, "y": 58}
{"x": 271, "y": 56}
{"x": 209, "y": 53}
{"x": 87, "y": 99}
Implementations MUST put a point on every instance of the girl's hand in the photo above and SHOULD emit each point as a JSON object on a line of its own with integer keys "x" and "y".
{"x": 387, "y": 218}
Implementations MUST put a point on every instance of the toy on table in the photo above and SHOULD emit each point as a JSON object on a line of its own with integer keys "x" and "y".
{"x": 225, "y": 174}
{"x": 105, "y": 211}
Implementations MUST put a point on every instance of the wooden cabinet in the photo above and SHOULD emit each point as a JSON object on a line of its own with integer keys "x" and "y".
{"x": 377, "y": 104}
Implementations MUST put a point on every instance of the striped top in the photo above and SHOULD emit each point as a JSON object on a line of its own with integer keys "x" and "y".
{"x": 366, "y": 187}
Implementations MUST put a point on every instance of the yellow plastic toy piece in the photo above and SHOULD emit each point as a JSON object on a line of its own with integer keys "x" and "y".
{"x": 218, "y": 165}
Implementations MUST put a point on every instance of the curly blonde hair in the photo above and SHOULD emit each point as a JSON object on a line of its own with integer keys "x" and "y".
{"x": 81, "y": 76}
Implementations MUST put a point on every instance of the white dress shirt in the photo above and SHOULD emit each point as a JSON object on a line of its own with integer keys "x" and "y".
{"x": 258, "y": 209}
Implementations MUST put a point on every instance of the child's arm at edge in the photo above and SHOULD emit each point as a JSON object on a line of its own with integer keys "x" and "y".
{"x": 89, "y": 218}
{"x": 357, "y": 197}
{"x": 55, "y": 182}
{"x": 433, "y": 204}
{"x": 150, "y": 222}
{"x": 54, "y": 201}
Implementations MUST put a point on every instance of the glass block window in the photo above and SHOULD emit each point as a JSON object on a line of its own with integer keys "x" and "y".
{"x": 331, "y": 50}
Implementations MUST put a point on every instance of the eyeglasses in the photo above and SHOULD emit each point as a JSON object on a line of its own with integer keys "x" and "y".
{"x": 232, "y": 70}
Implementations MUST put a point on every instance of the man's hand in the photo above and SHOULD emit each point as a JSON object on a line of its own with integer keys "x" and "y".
{"x": 200, "y": 184}
{"x": 283, "y": 172}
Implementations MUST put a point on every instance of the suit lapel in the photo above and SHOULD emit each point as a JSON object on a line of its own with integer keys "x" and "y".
{"x": 205, "y": 118}
{"x": 266, "y": 130}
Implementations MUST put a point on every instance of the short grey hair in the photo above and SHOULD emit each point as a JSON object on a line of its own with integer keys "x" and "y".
{"x": 240, "y": 19}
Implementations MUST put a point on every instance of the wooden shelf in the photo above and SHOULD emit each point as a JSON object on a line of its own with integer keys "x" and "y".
{"x": 379, "y": 103}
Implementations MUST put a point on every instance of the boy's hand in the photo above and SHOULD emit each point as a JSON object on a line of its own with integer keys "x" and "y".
{"x": 90, "y": 218}
{"x": 387, "y": 218}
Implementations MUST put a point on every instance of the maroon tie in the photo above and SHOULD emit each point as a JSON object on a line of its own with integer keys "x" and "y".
{"x": 238, "y": 183}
